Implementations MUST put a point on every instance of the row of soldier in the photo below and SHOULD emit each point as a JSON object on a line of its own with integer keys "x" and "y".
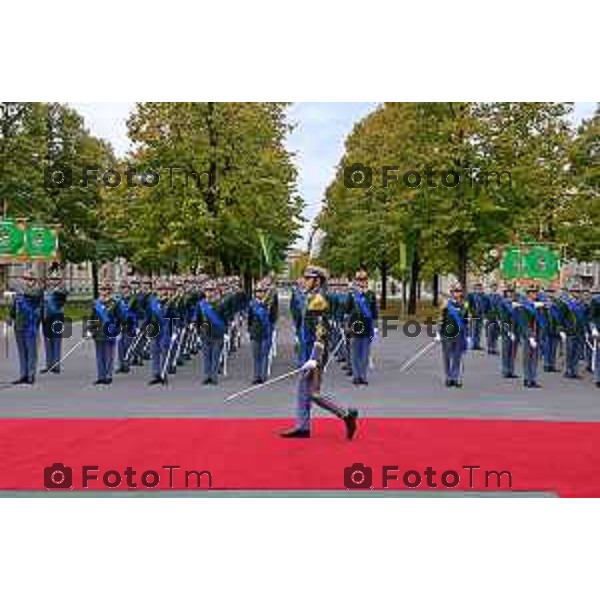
{"x": 166, "y": 321}
{"x": 542, "y": 322}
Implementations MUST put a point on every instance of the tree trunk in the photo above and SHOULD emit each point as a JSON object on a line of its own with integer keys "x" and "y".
{"x": 404, "y": 295}
{"x": 463, "y": 259}
{"x": 247, "y": 282}
{"x": 435, "y": 289}
{"x": 384, "y": 278}
{"x": 415, "y": 270}
{"x": 95, "y": 285}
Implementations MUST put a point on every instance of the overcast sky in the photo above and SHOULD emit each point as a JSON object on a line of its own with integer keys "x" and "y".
{"x": 317, "y": 141}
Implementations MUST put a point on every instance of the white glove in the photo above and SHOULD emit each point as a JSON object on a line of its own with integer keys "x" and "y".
{"x": 375, "y": 331}
{"x": 563, "y": 336}
{"x": 538, "y": 304}
{"x": 438, "y": 337}
{"x": 511, "y": 337}
{"x": 594, "y": 331}
{"x": 469, "y": 343}
{"x": 309, "y": 365}
{"x": 532, "y": 343}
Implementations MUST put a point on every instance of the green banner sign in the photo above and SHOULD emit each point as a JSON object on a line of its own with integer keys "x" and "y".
{"x": 529, "y": 262}
{"x": 41, "y": 242}
{"x": 19, "y": 241}
{"x": 11, "y": 238}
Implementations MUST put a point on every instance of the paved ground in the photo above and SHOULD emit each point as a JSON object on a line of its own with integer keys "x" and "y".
{"x": 419, "y": 392}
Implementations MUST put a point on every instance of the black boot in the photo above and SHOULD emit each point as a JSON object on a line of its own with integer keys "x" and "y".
{"x": 156, "y": 380}
{"x": 350, "y": 422}
{"x": 295, "y": 433}
{"x": 19, "y": 381}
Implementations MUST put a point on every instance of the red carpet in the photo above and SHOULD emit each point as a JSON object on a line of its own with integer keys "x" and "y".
{"x": 247, "y": 454}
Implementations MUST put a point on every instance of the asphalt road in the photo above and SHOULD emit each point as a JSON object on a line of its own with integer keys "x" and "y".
{"x": 418, "y": 392}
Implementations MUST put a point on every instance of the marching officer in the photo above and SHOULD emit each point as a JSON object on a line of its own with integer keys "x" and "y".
{"x": 362, "y": 317}
{"x": 105, "y": 330}
{"x": 25, "y": 314}
{"x": 53, "y": 321}
{"x": 316, "y": 333}
{"x": 262, "y": 316}
{"x": 453, "y": 334}
{"x": 212, "y": 324}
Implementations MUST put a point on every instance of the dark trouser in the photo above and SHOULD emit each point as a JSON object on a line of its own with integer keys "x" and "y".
{"x": 105, "y": 358}
{"x": 27, "y": 348}
{"x": 212, "y": 349}
{"x": 260, "y": 353}
{"x": 53, "y": 347}
{"x": 124, "y": 344}
{"x": 452, "y": 352}
{"x": 549, "y": 348}
{"x": 476, "y": 327}
{"x": 308, "y": 393}
{"x": 493, "y": 331}
{"x": 159, "y": 347}
{"x": 595, "y": 360}
{"x": 530, "y": 361}
{"x": 360, "y": 357}
{"x": 509, "y": 351}
{"x": 572, "y": 355}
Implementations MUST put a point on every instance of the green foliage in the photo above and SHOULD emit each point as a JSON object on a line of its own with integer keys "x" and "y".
{"x": 234, "y": 182}
{"x": 451, "y": 229}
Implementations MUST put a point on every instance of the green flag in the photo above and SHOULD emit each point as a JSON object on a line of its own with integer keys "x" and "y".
{"x": 11, "y": 238}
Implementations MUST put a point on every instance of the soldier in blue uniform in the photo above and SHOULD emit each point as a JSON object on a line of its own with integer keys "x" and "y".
{"x": 159, "y": 331}
{"x": 453, "y": 333}
{"x": 573, "y": 330}
{"x": 212, "y": 325}
{"x": 586, "y": 343}
{"x": 138, "y": 307}
{"x": 316, "y": 333}
{"x": 477, "y": 302}
{"x": 128, "y": 320}
{"x": 25, "y": 314}
{"x": 509, "y": 332}
{"x": 531, "y": 322}
{"x": 594, "y": 324}
{"x": 104, "y": 327}
{"x": 551, "y": 332}
{"x": 492, "y": 315}
{"x": 362, "y": 317}
{"x": 297, "y": 305}
{"x": 338, "y": 297}
{"x": 53, "y": 321}
{"x": 262, "y": 315}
